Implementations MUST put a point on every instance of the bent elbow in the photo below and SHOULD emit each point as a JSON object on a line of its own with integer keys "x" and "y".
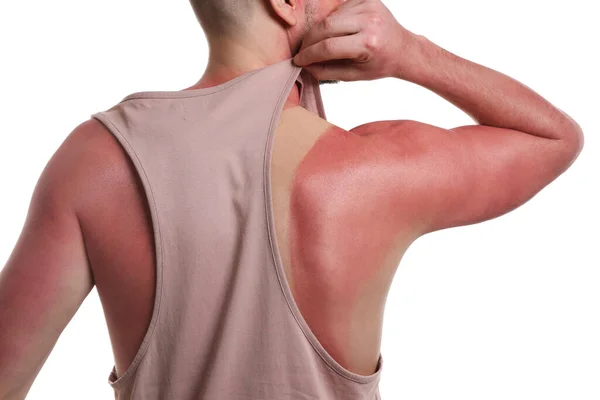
{"x": 576, "y": 140}
{"x": 573, "y": 135}
{"x": 572, "y": 144}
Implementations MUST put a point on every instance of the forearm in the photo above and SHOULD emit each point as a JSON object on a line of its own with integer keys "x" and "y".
{"x": 488, "y": 96}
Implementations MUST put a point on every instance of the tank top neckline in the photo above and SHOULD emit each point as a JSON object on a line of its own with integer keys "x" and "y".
{"x": 164, "y": 94}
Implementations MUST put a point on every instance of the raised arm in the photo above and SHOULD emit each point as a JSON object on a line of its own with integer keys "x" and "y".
{"x": 474, "y": 173}
{"x": 441, "y": 177}
{"x": 444, "y": 178}
{"x": 490, "y": 97}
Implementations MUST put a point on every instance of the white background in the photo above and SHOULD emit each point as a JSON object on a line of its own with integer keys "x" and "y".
{"x": 504, "y": 309}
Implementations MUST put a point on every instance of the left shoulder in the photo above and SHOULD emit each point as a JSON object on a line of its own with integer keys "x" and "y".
{"x": 48, "y": 275}
{"x": 88, "y": 164}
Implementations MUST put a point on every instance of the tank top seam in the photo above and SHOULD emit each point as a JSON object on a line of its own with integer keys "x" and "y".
{"x": 119, "y": 382}
{"x": 183, "y": 95}
{"x": 268, "y": 206}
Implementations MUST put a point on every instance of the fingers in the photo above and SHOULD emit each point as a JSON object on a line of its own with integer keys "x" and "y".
{"x": 336, "y": 48}
{"x": 333, "y": 72}
{"x": 329, "y": 27}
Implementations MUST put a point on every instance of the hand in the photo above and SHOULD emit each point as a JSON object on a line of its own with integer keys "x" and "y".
{"x": 360, "y": 40}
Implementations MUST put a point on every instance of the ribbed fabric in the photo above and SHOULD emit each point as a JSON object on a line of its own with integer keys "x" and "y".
{"x": 225, "y": 324}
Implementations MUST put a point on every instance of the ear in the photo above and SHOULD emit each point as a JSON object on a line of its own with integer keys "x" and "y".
{"x": 286, "y": 10}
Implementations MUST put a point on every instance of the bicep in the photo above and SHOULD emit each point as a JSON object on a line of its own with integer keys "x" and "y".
{"x": 473, "y": 173}
{"x": 45, "y": 279}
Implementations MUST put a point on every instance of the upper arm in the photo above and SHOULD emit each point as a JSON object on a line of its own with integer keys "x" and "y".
{"x": 47, "y": 276}
{"x": 452, "y": 177}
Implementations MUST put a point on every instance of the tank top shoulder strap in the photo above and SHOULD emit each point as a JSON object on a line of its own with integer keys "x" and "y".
{"x": 310, "y": 94}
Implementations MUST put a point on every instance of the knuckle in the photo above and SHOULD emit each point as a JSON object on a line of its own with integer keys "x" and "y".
{"x": 328, "y": 46}
{"x": 363, "y": 56}
{"x": 374, "y": 19}
{"x": 327, "y": 23}
{"x": 372, "y": 42}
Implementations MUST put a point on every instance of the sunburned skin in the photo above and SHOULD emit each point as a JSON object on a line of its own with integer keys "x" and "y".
{"x": 347, "y": 205}
{"x": 340, "y": 235}
{"x": 340, "y": 291}
{"x": 340, "y": 242}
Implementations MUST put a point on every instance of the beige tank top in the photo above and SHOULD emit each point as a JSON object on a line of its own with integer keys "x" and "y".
{"x": 225, "y": 324}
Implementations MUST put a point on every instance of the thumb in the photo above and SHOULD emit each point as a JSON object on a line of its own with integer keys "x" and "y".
{"x": 323, "y": 71}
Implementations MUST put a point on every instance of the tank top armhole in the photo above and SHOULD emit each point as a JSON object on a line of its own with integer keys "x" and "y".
{"x": 274, "y": 248}
{"x": 113, "y": 380}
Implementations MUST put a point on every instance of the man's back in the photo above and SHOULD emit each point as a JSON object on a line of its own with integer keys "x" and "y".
{"x": 118, "y": 230}
{"x": 345, "y": 207}
{"x": 327, "y": 280}
{"x": 201, "y": 156}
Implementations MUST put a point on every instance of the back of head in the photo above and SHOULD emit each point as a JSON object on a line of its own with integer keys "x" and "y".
{"x": 224, "y": 17}
{"x": 239, "y": 32}
{"x": 274, "y": 23}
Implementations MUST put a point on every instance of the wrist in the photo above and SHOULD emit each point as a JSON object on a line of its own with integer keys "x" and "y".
{"x": 412, "y": 57}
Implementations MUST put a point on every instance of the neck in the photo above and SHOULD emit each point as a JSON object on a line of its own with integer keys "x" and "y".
{"x": 230, "y": 58}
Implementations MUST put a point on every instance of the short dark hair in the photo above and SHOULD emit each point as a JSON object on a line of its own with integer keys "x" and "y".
{"x": 223, "y": 16}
